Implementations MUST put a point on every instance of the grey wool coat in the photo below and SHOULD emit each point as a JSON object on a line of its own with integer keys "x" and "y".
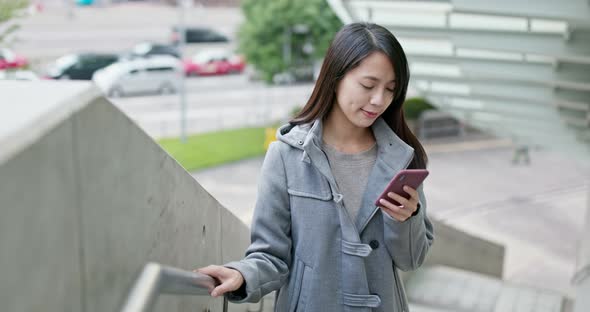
{"x": 306, "y": 246}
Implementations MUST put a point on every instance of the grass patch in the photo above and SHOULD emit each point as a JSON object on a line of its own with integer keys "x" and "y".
{"x": 216, "y": 148}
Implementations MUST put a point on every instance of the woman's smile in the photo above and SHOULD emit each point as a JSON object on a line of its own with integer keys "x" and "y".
{"x": 370, "y": 114}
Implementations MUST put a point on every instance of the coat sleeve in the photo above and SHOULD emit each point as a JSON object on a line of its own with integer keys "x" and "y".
{"x": 408, "y": 242}
{"x": 266, "y": 265}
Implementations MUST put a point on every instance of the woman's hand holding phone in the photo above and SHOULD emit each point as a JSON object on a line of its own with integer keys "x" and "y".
{"x": 400, "y": 199}
{"x": 407, "y": 206}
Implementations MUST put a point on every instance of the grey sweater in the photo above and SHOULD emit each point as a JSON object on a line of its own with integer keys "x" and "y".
{"x": 351, "y": 172}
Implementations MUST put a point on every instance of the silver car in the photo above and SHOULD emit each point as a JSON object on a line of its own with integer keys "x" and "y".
{"x": 157, "y": 74}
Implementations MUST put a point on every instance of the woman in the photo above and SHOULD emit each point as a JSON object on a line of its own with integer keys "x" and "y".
{"x": 317, "y": 237}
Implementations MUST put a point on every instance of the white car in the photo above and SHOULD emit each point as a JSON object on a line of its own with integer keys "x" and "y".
{"x": 157, "y": 74}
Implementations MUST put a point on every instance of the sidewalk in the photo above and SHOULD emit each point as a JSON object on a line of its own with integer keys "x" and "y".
{"x": 536, "y": 211}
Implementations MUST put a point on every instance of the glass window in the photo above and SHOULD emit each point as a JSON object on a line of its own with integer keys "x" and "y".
{"x": 160, "y": 69}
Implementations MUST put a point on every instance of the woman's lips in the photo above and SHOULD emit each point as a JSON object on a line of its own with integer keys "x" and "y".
{"x": 369, "y": 114}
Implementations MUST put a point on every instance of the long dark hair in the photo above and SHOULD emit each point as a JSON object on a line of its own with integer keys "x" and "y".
{"x": 350, "y": 46}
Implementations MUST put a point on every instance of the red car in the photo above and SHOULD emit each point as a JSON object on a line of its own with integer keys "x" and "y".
{"x": 213, "y": 63}
{"x": 9, "y": 59}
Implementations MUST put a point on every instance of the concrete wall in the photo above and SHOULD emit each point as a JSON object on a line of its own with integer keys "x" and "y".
{"x": 88, "y": 203}
{"x": 39, "y": 234}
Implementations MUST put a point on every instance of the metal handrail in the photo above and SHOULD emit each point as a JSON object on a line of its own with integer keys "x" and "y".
{"x": 157, "y": 279}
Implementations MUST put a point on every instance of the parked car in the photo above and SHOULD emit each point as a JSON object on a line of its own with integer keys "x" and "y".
{"x": 158, "y": 74}
{"x": 79, "y": 66}
{"x": 26, "y": 75}
{"x": 214, "y": 62}
{"x": 149, "y": 49}
{"x": 9, "y": 59}
{"x": 198, "y": 35}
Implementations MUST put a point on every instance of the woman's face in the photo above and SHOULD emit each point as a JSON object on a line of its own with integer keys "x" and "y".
{"x": 366, "y": 91}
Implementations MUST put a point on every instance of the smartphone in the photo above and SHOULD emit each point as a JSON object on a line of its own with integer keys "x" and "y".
{"x": 410, "y": 177}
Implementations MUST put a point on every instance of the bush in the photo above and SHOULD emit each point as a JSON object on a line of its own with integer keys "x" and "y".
{"x": 413, "y": 107}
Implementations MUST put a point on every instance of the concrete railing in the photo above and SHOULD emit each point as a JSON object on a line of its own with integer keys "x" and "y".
{"x": 87, "y": 198}
{"x": 461, "y": 250}
{"x": 457, "y": 249}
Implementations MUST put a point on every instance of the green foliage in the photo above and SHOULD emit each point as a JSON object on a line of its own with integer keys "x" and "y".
{"x": 216, "y": 148}
{"x": 413, "y": 107}
{"x": 262, "y": 36}
{"x": 10, "y": 9}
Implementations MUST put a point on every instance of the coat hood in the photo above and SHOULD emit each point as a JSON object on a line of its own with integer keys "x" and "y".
{"x": 310, "y": 135}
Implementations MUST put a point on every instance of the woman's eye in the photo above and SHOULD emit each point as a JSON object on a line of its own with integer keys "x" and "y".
{"x": 367, "y": 87}
{"x": 390, "y": 90}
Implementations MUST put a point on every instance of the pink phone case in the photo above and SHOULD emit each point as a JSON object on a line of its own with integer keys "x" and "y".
{"x": 410, "y": 177}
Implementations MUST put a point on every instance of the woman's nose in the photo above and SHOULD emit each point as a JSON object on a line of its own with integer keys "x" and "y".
{"x": 378, "y": 99}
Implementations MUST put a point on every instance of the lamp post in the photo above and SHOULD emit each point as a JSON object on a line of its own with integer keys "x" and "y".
{"x": 69, "y": 9}
{"x": 297, "y": 29}
{"x": 182, "y": 5}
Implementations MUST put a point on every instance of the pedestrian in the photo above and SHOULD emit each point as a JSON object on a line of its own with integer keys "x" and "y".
{"x": 521, "y": 151}
{"x": 317, "y": 237}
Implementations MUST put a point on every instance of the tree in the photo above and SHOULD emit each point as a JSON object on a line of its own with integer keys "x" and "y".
{"x": 10, "y": 9}
{"x": 271, "y": 25}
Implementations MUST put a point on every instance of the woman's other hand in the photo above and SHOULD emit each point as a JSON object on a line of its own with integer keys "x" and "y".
{"x": 407, "y": 208}
{"x": 229, "y": 279}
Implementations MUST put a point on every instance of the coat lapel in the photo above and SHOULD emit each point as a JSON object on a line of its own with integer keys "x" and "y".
{"x": 393, "y": 155}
